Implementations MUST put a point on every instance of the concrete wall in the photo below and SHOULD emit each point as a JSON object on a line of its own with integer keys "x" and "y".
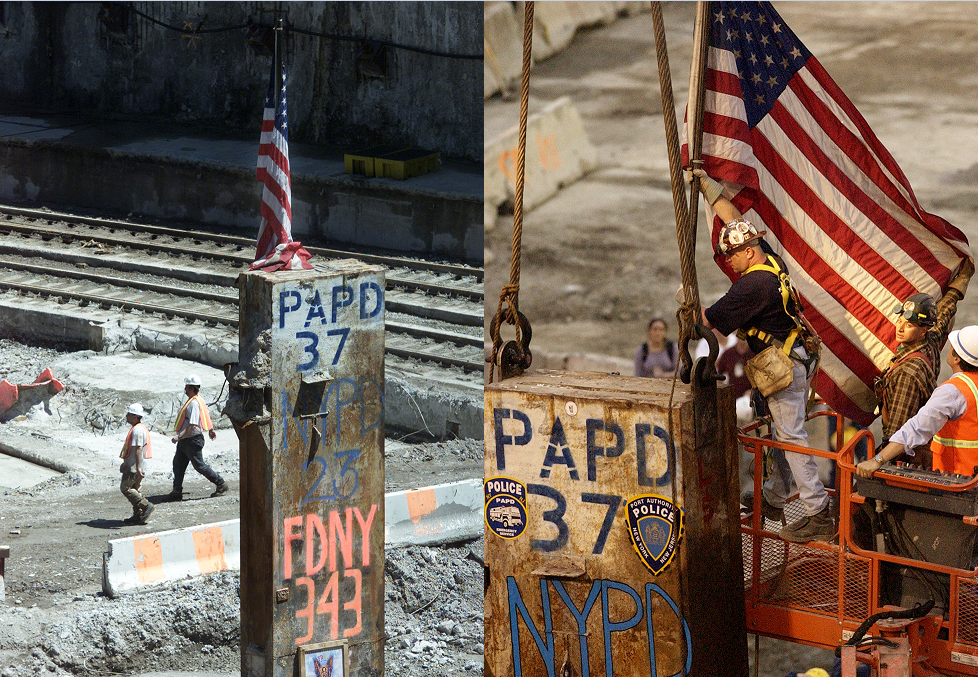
{"x": 64, "y": 56}
{"x": 343, "y": 209}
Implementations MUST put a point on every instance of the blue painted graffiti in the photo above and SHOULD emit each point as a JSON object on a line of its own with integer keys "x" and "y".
{"x": 545, "y": 642}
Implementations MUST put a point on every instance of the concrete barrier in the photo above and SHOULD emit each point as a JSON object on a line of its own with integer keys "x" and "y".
{"x": 438, "y": 514}
{"x": 503, "y": 46}
{"x": 554, "y": 27}
{"x": 153, "y": 559}
{"x": 558, "y": 153}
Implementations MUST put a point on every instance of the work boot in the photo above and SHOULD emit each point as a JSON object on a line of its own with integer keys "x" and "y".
{"x": 133, "y": 518}
{"x": 768, "y": 511}
{"x": 173, "y": 497}
{"x": 818, "y": 527}
{"x": 146, "y": 512}
{"x": 222, "y": 489}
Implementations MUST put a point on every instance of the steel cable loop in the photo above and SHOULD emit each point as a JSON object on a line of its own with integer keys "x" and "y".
{"x": 510, "y": 293}
{"x": 688, "y": 313}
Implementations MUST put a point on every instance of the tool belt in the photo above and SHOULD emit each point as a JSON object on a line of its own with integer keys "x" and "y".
{"x": 771, "y": 370}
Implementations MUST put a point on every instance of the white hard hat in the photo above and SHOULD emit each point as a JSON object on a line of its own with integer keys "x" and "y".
{"x": 192, "y": 380}
{"x": 965, "y": 344}
{"x": 136, "y": 409}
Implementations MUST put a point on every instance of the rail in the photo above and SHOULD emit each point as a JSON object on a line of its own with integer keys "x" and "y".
{"x": 818, "y": 593}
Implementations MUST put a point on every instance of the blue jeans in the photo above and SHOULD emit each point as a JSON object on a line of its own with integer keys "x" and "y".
{"x": 787, "y": 409}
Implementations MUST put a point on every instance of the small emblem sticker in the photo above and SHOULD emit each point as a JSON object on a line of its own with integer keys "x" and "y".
{"x": 505, "y": 506}
{"x": 655, "y": 525}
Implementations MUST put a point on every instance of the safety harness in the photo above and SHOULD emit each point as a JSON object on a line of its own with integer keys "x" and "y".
{"x": 809, "y": 338}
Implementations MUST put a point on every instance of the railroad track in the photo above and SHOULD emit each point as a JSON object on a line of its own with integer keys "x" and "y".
{"x": 434, "y": 309}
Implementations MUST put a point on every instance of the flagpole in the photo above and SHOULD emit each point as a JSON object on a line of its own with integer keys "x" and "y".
{"x": 690, "y": 310}
{"x": 278, "y": 61}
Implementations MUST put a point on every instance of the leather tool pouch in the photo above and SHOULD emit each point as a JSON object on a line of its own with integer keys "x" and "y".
{"x": 770, "y": 371}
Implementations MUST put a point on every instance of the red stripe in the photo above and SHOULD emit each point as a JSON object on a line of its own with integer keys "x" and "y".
{"x": 837, "y": 230}
{"x": 282, "y": 194}
{"x": 896, "y": 231}
{"x": 840, "y": 401}
{"x": 825, "y": 277}
{"x": 723, "y": 82}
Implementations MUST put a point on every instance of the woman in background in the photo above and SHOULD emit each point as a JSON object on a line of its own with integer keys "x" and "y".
{"x": 657, "y": 356}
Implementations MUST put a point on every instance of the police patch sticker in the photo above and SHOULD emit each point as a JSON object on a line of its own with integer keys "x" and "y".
{"x": 655, "y": 525}
{"x": 505, "y": 506}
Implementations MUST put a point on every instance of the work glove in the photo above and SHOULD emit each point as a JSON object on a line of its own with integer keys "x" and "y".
{"x": 711, "y": 189}
{"x": 960, "y": 281}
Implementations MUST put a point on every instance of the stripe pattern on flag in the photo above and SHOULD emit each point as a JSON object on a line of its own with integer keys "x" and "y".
{"x": 276, "y": 250}
{"x": 800, "y": 162}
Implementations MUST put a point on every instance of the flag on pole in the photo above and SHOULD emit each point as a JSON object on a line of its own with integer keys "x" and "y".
{"x": 276, "y": 249}
{"x": 798, "y": 160}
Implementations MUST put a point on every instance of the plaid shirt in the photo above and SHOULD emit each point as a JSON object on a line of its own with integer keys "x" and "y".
{"x": 908, "y": 382}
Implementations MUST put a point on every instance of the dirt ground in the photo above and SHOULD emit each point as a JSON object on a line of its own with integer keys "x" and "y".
{"x": 601, "y": 258}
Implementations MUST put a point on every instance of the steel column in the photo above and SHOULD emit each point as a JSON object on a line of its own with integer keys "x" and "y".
{"x": 307, "y": 401}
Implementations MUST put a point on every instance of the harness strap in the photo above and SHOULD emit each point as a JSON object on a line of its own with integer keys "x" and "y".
{"x": 772, "y": 267}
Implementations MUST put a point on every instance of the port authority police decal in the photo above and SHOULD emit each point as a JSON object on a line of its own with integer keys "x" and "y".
{"x": 655, "y": 525}
{"x": 505, "y": 506}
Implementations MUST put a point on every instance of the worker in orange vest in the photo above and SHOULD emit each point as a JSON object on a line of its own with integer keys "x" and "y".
{"x": 135, "y": 450}
{"x": 950, "y": 416}
{"x": 192, "y": 421}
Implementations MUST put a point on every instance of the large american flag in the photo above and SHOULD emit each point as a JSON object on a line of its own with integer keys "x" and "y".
{"x": 798, "y": 160}
{"x": 276, "y": 249}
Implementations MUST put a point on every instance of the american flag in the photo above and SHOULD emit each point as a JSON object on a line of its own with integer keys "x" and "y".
{"x": 276, "y": 249}
{"x": 798, "y": 160}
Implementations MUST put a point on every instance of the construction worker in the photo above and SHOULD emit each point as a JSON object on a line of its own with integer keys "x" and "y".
{"x": 761, "y": 305}
{"x": 921, "y": 329}
{"x": 950, "y": 416}
{"x": 192, "y": 420}
{"x": 135, "y": 450}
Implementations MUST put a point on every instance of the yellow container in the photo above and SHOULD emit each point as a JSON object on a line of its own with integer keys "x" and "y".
{"x": 363, "y": 161}
{"x": 404, "y": 164}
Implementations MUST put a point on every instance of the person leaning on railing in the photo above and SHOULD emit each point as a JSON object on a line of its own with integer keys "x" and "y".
{"x": 949, "y": 418}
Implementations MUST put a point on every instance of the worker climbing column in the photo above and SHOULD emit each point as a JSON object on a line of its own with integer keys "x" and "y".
{"x": 307, "y": 401}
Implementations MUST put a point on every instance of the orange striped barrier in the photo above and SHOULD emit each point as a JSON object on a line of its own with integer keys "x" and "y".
{"x": 431, "y": 515}
{"x": 438, "y": 514}
{"x": 153, "y": 559}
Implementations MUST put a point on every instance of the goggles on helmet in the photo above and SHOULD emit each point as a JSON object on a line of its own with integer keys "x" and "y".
{"x": 919, "y": 309}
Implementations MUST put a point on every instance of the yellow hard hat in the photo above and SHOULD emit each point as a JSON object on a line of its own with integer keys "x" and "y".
{"x": 817, "y": 672}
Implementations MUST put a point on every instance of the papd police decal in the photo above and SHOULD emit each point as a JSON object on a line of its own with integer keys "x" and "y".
{"x": 505, "y": 510}
{"x": 655, "y": 525}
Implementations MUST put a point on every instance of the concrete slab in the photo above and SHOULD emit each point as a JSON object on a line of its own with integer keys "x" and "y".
{"x": 16, "y": 473}
{"x": 414, "y": 401}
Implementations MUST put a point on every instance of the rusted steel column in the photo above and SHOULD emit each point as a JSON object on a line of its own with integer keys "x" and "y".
{"x": 612, "y": 538}
{"x": 307, "y": 401}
